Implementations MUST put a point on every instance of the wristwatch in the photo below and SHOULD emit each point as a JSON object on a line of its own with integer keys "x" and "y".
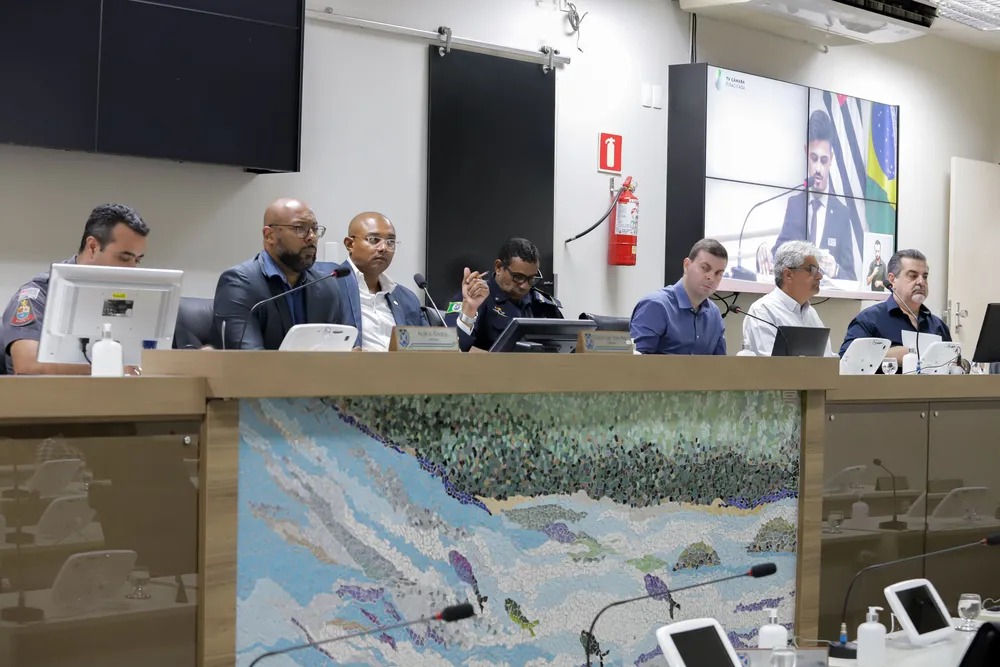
{"x": 466, "y": 320}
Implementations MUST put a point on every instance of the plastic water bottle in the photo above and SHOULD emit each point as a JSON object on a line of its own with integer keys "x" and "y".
{"x": 745, "y": 351}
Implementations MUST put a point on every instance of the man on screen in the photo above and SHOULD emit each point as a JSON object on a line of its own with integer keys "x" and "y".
{"x": 115, "y": 235}
{"x": 876, "y": 270}
{"x": 816, "y": 215}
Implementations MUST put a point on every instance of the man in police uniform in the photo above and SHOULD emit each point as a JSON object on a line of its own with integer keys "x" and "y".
{"x": 488, "y": 304}
{"x": 115, "y": 235}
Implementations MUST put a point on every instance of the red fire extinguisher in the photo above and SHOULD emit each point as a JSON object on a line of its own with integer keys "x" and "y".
{"x": 623, "y": 227}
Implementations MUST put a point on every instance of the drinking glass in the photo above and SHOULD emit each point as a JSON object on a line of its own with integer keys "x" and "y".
{"x": 139, "y": 578}
{"x": 889, "y": 366}
{"x": 783, "y": 657}
{"x": 835, "y": 519}
{"x": 969, "y": 606}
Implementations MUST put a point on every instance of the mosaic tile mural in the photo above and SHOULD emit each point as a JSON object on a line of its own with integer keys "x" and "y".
{"x": 355, "y": 513}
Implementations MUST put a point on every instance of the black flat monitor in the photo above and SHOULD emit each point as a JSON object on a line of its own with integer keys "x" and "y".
{"x": 984, "y": 651}
{"x": 988, "y": 346}
{"x": 800, "y": 342}
{"x": 534, "y": 334}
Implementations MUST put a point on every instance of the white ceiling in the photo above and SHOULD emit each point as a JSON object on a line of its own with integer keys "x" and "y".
{"x": 957, "y": 32}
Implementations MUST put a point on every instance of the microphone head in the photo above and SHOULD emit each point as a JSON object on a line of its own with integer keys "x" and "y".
{"x": 418, "y": 278}
{"x": 992, "y": 540}
{"x": 877, "y": 462}
{"x": 340, "y": 272}
{"x": 457, "y": 612}
{"x": 763, "y": 570}
{"x": 738, "y": 310}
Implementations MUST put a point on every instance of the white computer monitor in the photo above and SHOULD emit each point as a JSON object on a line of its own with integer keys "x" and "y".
{"x": 140, "y": 304}
{"x": 696, "y": 643}
{"x": 920, "y": 611}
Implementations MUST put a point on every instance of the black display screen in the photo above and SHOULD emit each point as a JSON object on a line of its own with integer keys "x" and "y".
{"x": 702, "y": 648}
{"x": 923, "y": 611}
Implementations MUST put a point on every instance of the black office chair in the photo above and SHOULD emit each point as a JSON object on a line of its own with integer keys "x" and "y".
{"x": 434, "y": 316}
{"x": 194, "y": 323}
{"x": 606, "y": 322}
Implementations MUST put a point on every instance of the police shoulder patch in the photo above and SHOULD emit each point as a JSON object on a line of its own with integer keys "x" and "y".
{"x": 23, "y": 314}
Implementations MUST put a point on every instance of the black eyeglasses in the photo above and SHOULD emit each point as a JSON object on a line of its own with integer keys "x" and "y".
{"x": 813, "y": 269}
{"x": 375, "y": 241}
{"x": 303, "y": 232}
{"x": 520, "y": 278}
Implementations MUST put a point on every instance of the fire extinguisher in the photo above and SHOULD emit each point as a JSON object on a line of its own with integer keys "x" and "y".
{"x": 623, "y": 227}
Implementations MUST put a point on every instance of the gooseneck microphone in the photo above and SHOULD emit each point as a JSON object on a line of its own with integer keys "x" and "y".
{"x": 739, "y": 311}
{"x": 738, "y": 271}
{"x": 450, "y": 614}
{"x": 842, "y": 648}
{"x": 339, "y": 272}
{"x": 421, "y": 282}
{"x": 757, "y": 571}
{"x": 895, "y": 524}
{"x": 916, "y": 318}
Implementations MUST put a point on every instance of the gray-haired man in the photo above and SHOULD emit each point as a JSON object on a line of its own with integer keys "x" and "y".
{"x": 797, "y": 274}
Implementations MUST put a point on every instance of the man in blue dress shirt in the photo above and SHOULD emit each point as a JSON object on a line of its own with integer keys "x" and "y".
{"x": 680, "y": 318}
{"x": 907, "y": 273}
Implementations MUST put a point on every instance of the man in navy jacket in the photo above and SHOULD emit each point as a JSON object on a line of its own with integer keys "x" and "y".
{"x": 371, "y": 301}
{"x": 286, "y": 262}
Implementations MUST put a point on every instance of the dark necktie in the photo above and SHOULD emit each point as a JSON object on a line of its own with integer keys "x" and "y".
{"x": 812, "y": 223}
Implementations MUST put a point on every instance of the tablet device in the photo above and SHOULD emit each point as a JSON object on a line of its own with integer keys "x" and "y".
{"x": 696, "y": 643}
{"x": 920, "y": 611}
{"x": 319, "y": 338}
{"x": 863, "y": 356}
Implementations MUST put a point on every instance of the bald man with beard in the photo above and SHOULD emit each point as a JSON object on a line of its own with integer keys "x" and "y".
{"x": 290, "y": 236}
{"x": 373, "y": 302}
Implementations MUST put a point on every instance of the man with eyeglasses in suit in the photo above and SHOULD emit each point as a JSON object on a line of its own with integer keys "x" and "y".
{"x": 373, "y": 302}
{"x": 488, "y": 302}
{"x": 290, "y": 233}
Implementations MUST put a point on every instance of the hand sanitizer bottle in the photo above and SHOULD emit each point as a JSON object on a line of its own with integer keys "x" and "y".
{"x": 910, "y": 363}
{"x": 871, "y": 640}
{"x": 772, "y": 635}
{"x": 860, "y": 509}
{"x": 106, "y": 356}
{"x": 745, "y": 351}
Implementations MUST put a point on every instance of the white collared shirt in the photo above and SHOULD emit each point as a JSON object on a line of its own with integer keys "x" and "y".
{"x": 781, "y": 310}
{"x": 377, "y": 320}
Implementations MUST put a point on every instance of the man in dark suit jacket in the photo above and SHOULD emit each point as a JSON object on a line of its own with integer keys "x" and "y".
{"x": 290, "y": 236}
{"x": 371, "y": 301}
{"x": 817, "y": 215}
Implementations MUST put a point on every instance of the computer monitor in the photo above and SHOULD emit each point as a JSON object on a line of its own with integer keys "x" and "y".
{"x": 800, "y": 342}
{"x": 530, "y": 334}
{"x": 988, "y": 346}
{"x": 140, "y": 304}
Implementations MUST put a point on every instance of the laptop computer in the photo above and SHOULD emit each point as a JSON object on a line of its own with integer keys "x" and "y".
{"x": 800, "y": 342}
{"x": 988, "y": 346}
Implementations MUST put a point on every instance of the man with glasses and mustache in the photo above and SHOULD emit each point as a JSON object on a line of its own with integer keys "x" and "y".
{"x": 907, "y": 274}
{"x": 797, "y": 274}
{"x": 290, "y": 237}
{"x": 486, "y": 306}
{"x": 372, "y": 301}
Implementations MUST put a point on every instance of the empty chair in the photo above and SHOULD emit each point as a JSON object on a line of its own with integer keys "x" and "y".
{"x": 193, "y": 330}
{"x": 607, "y": 322}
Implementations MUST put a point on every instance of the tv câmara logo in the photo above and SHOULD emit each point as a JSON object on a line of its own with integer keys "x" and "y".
{"x": 728, "y": 81}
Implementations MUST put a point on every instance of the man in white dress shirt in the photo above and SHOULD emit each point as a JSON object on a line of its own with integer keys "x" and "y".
{"x": 372, "y": 301}
{"x": 797, "y": 274}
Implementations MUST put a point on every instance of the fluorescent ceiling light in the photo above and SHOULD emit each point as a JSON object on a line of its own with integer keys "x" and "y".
{"x": 979, "y": 14}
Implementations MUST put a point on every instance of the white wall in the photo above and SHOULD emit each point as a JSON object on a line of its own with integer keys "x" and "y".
{"x": 364, "y": 120}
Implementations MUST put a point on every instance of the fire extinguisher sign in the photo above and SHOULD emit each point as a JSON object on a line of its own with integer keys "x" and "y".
{"x": 609, "y": 153}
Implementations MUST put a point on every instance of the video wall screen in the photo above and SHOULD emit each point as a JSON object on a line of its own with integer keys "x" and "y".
{"x": 785, "y": 162}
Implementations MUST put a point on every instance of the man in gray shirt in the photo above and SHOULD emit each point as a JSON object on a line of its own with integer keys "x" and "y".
{"x": 115, "y": 235}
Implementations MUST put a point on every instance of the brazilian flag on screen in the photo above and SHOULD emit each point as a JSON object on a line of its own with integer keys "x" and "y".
{"x": 880, "y": 185}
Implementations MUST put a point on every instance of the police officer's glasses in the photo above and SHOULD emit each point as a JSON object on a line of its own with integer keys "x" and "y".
{"x": 303, "y": 232}
{"x": 376, "y": 241}
{"x": 520, "y": 278}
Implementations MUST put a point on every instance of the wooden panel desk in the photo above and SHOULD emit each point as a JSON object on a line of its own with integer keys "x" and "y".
{"x": 247, "y": 376}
